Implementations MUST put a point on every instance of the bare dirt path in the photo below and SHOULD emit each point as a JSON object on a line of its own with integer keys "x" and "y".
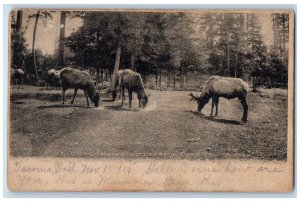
{"x": 169, "y": 128}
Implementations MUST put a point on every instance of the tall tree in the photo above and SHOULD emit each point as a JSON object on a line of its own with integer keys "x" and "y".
{"x": 62, "y": 38}
{"x": 280, "y": 22}
{"x": 18, "y": 42}
{"x": 256, "y": 50}
{"x": 43, "y": 15}
{"x": 33, "y": 44}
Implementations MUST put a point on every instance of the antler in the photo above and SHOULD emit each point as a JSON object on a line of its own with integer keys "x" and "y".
{"x": 193, "y": 97}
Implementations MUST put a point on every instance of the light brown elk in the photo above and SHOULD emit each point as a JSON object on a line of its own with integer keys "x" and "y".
{"x": 17, "y": 76}
{"x": 226, "y": 87}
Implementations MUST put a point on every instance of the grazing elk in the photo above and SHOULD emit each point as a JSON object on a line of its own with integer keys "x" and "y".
{"x": 53, "y": 77}
{"x": 133, "y": 82}
{"x": 73, "y": 78}
{"x": 17, "y": 76}
{"x": 226, "y": 87}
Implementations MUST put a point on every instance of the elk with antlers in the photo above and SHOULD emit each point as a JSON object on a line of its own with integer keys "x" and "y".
{"x": 226, "y": 87}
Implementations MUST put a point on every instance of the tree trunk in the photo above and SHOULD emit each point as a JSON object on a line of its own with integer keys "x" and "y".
{"x": 274, "y": 32}
{"x": 168, "y": 78}
{"x": 181, "y": 77}
{"x": 98, "y": 74}
{"x": 174, "y": 78}
{"x": 159, "y": 81}
{"x": 101, "y": 74}
{"x": 156, "y": 81}
{"x": 19, "y": 20}
{"x": 254, "y": 86}
{"x": 33, "y": 44}
{"x": 236, "y": 60}
{"x": 62, "y": 39}
{"x": 174, "y": 82}
{"x": 236, "y": 65}
{"x": 106, "y": 76}
{"x": 228, "y": 59}
{"x": 283, "y": 31}
{"x": 18, "y": 34}
{"x": 116, "y": 67}
{"x": 132, "y": 62}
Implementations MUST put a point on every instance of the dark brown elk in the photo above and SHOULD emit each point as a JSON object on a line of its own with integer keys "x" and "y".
{"x": 226, "y": 87}
{"x": 73, "y": 78}
{"x": 17, "y": 76}
{"x": 132, "y": 81}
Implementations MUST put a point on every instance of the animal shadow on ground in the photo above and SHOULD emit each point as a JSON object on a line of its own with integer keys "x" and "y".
{"x": 109, "y": 100}
{"x": 61, "y": 106}
{"x": 202, "y": 116}
{"x": 120, "y": 108}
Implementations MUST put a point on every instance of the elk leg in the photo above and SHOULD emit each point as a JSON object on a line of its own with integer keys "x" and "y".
{"x": 130, "y": 98}
{"x": 212, "y": 107}
{"x": 75, "y": 93}
{"x": 245, "y": 106}
{"x": 22, "y": 82}
{"x": 18, "y": 82}
{"x": 122, "y": 92}
{"x": 63, "y": 94}
{"x": 217, "y": 106}
{"x": 114, "y": 95}
{"x": 87, "y": 99}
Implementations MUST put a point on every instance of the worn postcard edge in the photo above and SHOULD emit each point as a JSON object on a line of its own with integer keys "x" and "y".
{"x": 159, "y": 175}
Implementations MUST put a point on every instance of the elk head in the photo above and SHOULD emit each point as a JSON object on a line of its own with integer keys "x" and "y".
{"x": 96, "y": 99}
{"x": 200, "y": 101}
{"x": 144, "y": 100}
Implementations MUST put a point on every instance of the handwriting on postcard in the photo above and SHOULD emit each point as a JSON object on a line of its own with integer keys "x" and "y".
{"x": 148, "y": 173}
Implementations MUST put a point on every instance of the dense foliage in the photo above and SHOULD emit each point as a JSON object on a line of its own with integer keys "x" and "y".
{"x": 170, "y": 44}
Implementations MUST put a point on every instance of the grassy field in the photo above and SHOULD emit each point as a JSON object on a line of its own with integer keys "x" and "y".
{"x": 169, "y": 128}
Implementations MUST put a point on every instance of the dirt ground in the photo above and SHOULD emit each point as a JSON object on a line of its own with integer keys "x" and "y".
{"x": 169, "y": 128}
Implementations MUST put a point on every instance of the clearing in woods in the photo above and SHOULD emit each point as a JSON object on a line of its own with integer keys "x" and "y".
{"x": 170, "y": 127}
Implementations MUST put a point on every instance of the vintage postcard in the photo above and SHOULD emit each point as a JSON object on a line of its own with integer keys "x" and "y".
{"x": 151, "y": 100}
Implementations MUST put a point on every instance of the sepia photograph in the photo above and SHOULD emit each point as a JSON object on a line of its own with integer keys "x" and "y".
{"x": 151, "y": 100}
